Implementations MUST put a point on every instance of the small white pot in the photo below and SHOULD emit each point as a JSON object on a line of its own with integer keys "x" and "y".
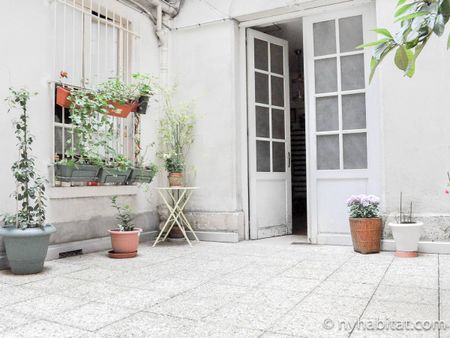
{"x": 406, "y": 238}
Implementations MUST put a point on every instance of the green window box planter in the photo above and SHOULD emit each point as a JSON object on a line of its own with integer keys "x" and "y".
{"x": 76, "y": 173}
{"x": 114, "y": 175}
{"x": 26, "y": 249}
{"x": 141, "y": 175}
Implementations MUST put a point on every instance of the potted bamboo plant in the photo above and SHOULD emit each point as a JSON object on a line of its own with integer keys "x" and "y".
{"x": 124, "y": 238}
{"x": 365, "y": 223}
{"x": 406, "y": 232}
{"x": 176, "y": 133}
{"x": 124, "y": 98}
{"x": 25, "y": 234}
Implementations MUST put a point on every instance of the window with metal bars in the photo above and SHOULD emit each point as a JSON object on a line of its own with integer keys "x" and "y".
{"x": 92, "y": 44}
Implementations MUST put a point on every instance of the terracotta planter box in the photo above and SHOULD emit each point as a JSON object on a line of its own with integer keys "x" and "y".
{"x": 123, "y": 110}
{"x": 62, "y": 97}
{"x": 366, "y": 234}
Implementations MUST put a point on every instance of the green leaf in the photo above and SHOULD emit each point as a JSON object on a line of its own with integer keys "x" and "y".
{"x": 402, "y": 10}
{"x": 373, "y": 43}
{"x": 439, "y": 25}
{"x": 411, "y": 63}
{"x": 400, "y": 2}
{"x": 373, "y": 66}
{"x": 412, "y": 16}
{"x": 383, "y": 31}
{"x": 401, "y": 58}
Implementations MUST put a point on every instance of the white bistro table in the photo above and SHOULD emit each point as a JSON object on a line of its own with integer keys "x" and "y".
{"x": 178, "y": 198}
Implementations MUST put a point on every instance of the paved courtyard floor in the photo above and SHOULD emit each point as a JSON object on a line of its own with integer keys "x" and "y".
{"x": 268, "y": 288}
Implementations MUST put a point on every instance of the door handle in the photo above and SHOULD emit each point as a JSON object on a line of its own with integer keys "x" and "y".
{"x": 289, "y": 159}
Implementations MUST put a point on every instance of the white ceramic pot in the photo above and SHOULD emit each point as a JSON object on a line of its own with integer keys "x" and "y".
{"x": 406, "y": 238}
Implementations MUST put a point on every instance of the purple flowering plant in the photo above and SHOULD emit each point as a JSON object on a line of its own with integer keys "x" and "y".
{"x": 363, "y": 206}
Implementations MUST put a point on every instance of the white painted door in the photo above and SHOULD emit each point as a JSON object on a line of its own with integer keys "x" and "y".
{"x": 342, "y": 117}
{"x": 268, "y": 135}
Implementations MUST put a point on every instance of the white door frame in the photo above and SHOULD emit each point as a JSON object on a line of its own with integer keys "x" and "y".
{"x": 243, "y": 89}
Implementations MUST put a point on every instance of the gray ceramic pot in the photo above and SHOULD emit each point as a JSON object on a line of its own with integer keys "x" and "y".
{"x": 26, "y": 249}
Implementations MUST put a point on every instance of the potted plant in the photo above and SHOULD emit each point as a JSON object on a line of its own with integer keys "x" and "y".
{"x": 91, "y": 129}
{"x": 125, "y": 238}
{"x": 365, "y": 223}
{"x": 25, "y": 234}
{"x": 176, "y": 133}
{"x": 174, "y": 165}
{"x": 144, "y": 87}
{"x": 124, "y": 98}
{"x": 62, "y": 93}
{"x": 406, "y": 232}
{"x": 116, "y": 171}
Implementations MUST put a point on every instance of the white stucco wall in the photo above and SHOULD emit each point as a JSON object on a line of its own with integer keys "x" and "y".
{"x": 26, "y": 60}
{"x": 415, "y": 119}
{"x": 415, "y": 143}
{"x": 203, "y": 65}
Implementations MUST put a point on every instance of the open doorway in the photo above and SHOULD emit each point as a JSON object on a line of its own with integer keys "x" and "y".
{"x": 292, "y": 32}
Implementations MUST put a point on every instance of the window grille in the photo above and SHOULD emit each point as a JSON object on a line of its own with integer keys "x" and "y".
{"x": 93, "y": 43}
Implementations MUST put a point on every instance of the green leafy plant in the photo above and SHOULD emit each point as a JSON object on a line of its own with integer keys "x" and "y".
{"x": 92, "y": 128}
{"x": 176, "y": 133}
{"x": 363, "y": 206}
{"x": 30, "y": 193}
{"x": 123, "y": 215}
{"x": 116, "y": 90}
{"x": 120, "y": 162}
{"x": 419, "y": 20}
{"x": 174, "y": 164}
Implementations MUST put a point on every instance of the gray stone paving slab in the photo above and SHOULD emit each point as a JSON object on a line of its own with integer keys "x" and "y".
{"x": 44, "y": 329}
{"x": 406, "y": 295}
{"x": 92, "y": 316}
{"x": 266, "y": 288}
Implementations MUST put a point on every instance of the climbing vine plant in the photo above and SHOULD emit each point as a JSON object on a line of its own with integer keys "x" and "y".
{"x": 30, "y": 192}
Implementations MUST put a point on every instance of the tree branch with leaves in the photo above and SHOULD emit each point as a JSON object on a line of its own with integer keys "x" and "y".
{"x": 419, "y": 20}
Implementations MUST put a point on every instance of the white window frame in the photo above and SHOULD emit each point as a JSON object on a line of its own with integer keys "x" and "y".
{"x": 128, "y": 40}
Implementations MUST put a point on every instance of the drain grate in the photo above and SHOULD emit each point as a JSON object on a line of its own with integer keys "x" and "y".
{"x": 70, "y": 253}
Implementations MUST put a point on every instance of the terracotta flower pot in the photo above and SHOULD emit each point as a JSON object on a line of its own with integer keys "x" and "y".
{"x": 176, "y": 233}
{"x": 175, "y": 179}
{"x": 123, "y": 110}
{"x": 62, "y": 97}
{"x": 366, "y": 234}
{"x": 125, "y": 241}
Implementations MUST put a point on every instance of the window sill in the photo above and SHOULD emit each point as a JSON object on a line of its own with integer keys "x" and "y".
{"x": 55, "y": 193}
